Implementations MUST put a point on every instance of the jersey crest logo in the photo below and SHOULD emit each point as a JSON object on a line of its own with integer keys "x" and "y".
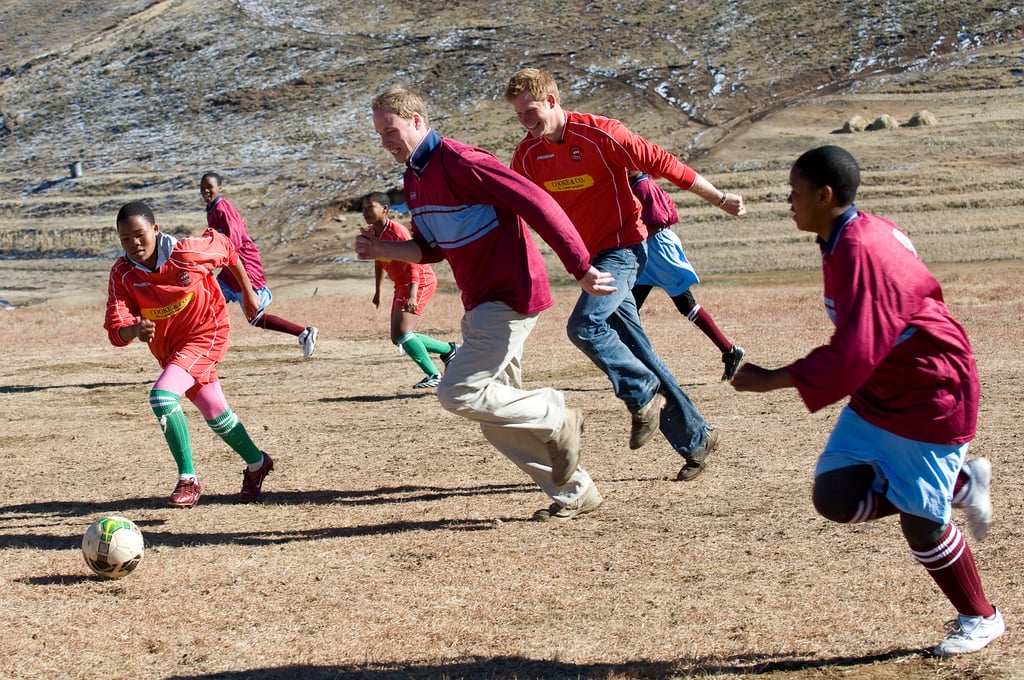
{"x": 184, "y": 279}
{"x": 157, "y": 313}
{"x": 576, "y": 153}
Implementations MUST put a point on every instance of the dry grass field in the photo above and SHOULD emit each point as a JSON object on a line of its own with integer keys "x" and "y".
{"x": 393, "y": 542}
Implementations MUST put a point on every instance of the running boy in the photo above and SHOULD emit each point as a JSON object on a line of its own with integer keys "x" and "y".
{"x": 162, "y": 291}
{"x": 668, "y": 269}
{"x": 898, "y": 446}
{"x": 414, "y": 286}
{"x": 581, "y": 160}
{"x": 470, "y": 209}
{"x": 222, "y": 216}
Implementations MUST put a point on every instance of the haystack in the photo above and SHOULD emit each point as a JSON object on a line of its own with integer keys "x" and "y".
{"x": 855, "y": 124}
{"x": 884, "y": 122}
{"x": 921, "y": 119}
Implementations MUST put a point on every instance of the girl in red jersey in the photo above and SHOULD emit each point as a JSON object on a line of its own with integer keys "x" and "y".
{"x": 414, "y": 286}
{"x": 162, "y": 291}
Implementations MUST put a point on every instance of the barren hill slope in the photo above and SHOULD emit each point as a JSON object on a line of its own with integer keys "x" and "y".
{"x": 274, "y": 95}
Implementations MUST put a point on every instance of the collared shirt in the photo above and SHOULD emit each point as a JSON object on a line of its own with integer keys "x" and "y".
{"x": 896, "y": 351}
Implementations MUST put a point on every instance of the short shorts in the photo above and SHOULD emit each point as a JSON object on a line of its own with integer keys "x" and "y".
{"x": 264, "y": 294}
{"x": 667, "y": 267}
{"x": 917, "y": 477}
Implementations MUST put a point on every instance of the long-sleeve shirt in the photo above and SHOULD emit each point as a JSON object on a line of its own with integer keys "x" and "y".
{"x": 222, "y": 216}
{"x": 906, "y": 364}
{"x": 469, "y": 208}
{"x": 180, "y": 295}
{"x": 586, "y": 173}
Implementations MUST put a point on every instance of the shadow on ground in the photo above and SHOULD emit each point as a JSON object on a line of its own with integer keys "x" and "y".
{"x": 519, "y": 668}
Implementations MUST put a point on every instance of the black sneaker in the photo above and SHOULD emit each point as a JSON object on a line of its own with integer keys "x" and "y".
{"x": 731, "y": 359}
{"x": 428, "y": 381}
{"x": 450, "y": 354}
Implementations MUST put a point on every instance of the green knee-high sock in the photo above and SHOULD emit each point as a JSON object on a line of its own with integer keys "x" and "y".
{"x": 413, "y": 346}
{"x": 228, "y": 427}
{"x": 167, "y": 408}
{"x": 433, "y": 346}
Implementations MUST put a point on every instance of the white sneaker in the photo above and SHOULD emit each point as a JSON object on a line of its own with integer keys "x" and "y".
{"x": 971, "y": 633}
{"x": 307, "y": 339}
{"x": 977, "y": 504}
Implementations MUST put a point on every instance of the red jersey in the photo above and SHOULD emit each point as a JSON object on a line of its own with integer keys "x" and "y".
{"x": 586, "y": 173}
{"x": 222, "y": 216}
{"x": 896, "y": 350}
{"x": 404, "y": 273}
{"x": 180, "y": 295}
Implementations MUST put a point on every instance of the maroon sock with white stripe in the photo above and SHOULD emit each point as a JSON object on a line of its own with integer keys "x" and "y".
{"x": 951, "y": 564}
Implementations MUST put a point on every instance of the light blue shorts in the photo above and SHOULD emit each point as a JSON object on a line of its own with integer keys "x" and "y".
{"x": 917, "y": 477}
{"x": 264, "y": 294}
{"x": 667, "y": 267}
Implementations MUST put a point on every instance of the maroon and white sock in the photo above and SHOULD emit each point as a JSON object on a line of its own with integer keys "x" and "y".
{"x": 950, "y": 563}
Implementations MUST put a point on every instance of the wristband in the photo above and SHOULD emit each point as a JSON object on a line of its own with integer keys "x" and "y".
{"x": 725, "y": 197}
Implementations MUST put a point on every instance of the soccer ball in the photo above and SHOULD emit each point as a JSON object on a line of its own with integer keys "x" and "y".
{"x": 113, "y": 546}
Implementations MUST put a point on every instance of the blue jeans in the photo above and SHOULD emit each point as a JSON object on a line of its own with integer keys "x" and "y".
{"x": 607, "y": 329}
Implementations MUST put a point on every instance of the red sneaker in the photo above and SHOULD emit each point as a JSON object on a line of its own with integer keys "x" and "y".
{"x": 252, "y": 482}
{"x": 186, "y": 494}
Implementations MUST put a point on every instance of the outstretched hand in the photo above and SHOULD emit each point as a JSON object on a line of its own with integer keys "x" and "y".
{"x": 597, "y": 282}
{"x": 753, "y": 378}
{"x": 367, "y": 244}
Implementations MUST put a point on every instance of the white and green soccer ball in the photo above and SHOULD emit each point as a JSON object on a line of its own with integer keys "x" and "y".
{"x": 113, "y": 546}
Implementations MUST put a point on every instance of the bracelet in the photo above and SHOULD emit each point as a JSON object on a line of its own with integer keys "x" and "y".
{"x": 725, "y": 196}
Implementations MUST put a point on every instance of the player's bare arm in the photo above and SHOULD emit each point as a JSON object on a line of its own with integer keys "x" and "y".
{"x": 250, "y": 301}
{"x": 753, "y": 378}
{"x": 727, "y": 201}
{"x": 143, "y": 329}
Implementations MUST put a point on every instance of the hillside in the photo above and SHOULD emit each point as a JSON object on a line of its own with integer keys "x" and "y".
{"x": 148, "y": 95}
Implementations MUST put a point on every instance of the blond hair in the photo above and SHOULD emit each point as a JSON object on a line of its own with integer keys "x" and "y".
{"x": 401, "y": 101}
{"x": 538, "y": 83}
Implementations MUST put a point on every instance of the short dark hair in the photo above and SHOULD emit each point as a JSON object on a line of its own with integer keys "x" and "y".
{"x": 214, "y": 176}
{"x": 136, "y": 209}
{"x": 377, "y": 197}
{"x": 831, "y": 166}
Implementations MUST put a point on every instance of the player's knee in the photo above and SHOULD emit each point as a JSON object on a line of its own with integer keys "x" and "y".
{"x": 457, "y": 397}
{"x": 920, "y": 530}
{"x": 838, "y": 494}
{"x": 581, "y": 333}
{"x": 684, "y": 303}
{"x": 163, "y": 402}
{"x": 832, "y": 508}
